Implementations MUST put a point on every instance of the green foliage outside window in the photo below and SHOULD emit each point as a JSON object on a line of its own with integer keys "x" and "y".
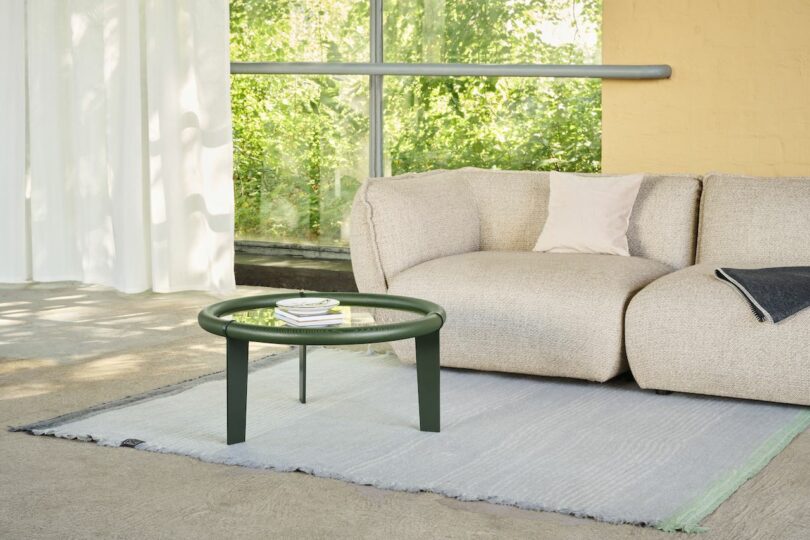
{"x": 301, "y": 142}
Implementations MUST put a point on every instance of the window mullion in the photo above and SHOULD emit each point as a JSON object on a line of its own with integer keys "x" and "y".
{"x": 375, "y": 100}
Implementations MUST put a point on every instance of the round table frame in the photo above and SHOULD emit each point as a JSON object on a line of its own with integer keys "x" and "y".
{"x": 425, "y": 329}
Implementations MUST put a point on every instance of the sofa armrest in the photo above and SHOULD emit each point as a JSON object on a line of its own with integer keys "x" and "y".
{"x": 405, "y": 220}
{"x": 366, "y": 264}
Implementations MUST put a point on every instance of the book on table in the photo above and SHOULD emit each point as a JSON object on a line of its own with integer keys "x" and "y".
{"x": 325, "y": 319}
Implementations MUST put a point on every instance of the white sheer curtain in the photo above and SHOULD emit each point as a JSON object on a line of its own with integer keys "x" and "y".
{"x": 116, "y": 158}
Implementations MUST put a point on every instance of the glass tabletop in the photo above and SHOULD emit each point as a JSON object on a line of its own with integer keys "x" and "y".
{"x": 348, "y": 316}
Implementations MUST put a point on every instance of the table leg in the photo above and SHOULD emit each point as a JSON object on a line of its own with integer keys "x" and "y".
{"x": 302, "y": 373}
{"x": 427, "y": 380}
{"x": 236, "y": 374}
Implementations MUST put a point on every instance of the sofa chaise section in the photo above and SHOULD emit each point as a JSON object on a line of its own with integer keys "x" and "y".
{"x": 463, "y": 239}
{"x": 554, "y": 314}
{"x": 691, "y": 332}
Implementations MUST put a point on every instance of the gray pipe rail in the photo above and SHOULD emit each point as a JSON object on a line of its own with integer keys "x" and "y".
{"x": 626, "y": 72}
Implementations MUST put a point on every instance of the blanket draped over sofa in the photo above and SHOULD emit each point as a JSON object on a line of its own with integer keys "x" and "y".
{"x": 774, "y": 294}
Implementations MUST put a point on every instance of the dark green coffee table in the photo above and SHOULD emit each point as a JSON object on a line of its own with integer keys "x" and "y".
{"x": 243, "y": 320}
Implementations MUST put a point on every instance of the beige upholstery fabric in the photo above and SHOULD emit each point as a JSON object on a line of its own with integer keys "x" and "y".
{"x": 420, "y": 235}
{"x": 690, "y": 332}
{"x": 513, "y": 206}
{"x": 411, "y": 219}
{"x": 527, "y": 312}
{"x": 755, "y": 221}
{"x": 404, "y": 220}
{"x": 663, "y": 226}
{"x": 366, "y": 264}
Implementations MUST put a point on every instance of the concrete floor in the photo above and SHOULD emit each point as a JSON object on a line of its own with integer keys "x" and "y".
{"x": 65, "y": 347}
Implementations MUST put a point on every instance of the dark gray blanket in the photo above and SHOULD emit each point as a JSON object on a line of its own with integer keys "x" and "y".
{"x": 773, "y": 293}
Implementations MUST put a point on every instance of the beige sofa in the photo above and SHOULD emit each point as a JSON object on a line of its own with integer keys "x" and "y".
{"x": 463, "y": 239}
{"x": 690, "y": 332}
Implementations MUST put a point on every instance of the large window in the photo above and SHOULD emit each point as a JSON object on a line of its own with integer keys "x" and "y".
{"x": 305, "y": 141}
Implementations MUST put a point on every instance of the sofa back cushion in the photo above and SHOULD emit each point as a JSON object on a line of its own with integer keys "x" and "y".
{"x": 513, "y": 207}
{"x": 418, "y": 217}
{"x": 755, "y": 221}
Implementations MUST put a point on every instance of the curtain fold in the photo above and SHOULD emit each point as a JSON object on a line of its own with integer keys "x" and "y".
{"x": 129, "y": 143}
{"x": 14, "y": 244}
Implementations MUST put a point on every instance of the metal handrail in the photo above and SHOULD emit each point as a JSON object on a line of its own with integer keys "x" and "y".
{"x": 592, "y": 71}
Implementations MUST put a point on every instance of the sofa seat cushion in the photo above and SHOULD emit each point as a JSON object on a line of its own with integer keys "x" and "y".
{"x": 539, "y": 313}
{"x": 690, "y": 332}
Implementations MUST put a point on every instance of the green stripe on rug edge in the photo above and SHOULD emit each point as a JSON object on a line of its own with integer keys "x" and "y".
{"x": 688, "y": 519}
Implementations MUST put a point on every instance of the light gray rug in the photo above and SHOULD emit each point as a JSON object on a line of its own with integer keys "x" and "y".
{"x": 607, "y": 451}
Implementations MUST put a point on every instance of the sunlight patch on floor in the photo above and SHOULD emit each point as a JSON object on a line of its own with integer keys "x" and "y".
{"x": 67, "y": 297}
{"x": 11, "y": 304}
{"x": 18, "y": 391}
{"x": 12, "y": 366}
{"x": 108, "y": 368}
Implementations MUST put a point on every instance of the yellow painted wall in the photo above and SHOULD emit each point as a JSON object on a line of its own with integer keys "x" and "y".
{"x": 739, "y": 97}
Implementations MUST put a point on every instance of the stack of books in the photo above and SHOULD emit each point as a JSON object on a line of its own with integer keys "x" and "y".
{"x": 309, "y": 312}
